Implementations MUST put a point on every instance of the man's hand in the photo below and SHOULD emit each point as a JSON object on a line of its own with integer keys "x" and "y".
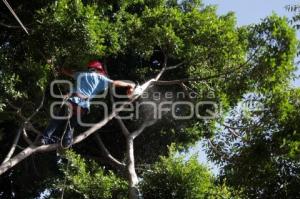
{"x": 118, "y": 83}
{"x": 130, "y": 90}
{"x": 130, "y": 86}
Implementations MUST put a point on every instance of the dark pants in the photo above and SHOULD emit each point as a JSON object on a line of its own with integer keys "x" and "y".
{"x": 65, "y": 125}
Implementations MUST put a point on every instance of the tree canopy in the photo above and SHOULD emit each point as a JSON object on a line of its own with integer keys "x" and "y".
{"x": 249, "y": 127}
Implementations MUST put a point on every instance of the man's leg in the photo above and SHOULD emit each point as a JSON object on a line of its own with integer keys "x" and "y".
{"x": 52, "y": 126}
{"x": 71, "y": 125}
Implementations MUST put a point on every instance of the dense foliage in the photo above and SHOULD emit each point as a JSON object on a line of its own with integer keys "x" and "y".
{"x": 85, "y": 179}
{"x": 258, "y": 151}
{"x": 175, "y": 177}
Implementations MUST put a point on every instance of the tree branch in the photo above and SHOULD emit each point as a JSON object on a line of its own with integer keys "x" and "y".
{"x": 30, "y": 127}
{"x": 27, "y": 122}
{"x": 124, "y": 129}
{"x": 137, "y": 132}
{"x": 185, "y": 90}
{"x": 133, "y": 179}
{"x": 173, "y": 67}
{"x": 22, "y": 128}
{"x": 163, "y": 69}
{"x": 15, "y": 15}
{"x": 26, "y": 138}
{"x": 108, "y": 154}
{"x": 14, "y": 145}
{"x": 223, "y": 155}
{"x": 37, "y": 109}
{"x": 196, "y": 79}
{"x": 24, "y": 154}
{"x": 9, "y": 26}
{"x": 231, "y": 129}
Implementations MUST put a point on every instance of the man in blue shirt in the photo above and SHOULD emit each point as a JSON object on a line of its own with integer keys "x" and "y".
{"x": 87, "y": 86}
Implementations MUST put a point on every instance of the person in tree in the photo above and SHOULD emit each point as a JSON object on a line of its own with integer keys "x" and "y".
{"x": 87, "y": 85}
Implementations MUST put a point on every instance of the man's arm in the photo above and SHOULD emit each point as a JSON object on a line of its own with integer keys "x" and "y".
{"x": 129, "y": 86}
{"x": 118, "y": 83}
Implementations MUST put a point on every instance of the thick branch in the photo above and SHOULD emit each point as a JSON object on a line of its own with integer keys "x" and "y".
{"x": 133, "y": 179}
{"x": 24, "y": 154}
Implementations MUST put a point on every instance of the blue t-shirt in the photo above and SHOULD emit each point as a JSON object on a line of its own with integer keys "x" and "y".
{"x": 88, "y": 84}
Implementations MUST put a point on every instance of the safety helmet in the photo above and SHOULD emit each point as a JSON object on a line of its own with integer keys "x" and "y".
{"x": 95, "y": 64}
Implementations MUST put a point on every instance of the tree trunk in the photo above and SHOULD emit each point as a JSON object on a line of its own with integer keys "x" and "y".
{"x": 132, "y": 177}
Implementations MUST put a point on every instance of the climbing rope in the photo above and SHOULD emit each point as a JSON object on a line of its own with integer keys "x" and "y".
{"x": 68, "y": 125}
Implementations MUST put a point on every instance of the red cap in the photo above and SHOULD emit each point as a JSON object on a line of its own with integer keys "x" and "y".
{"x": 97, "y": 65}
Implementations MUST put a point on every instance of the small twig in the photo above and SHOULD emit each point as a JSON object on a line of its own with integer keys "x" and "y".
{"x": 20, "y": 147}
{"x": 27, "y": 123}
{"x": 173, "y": 67}
{"x": 163, "y": 69}
{"x": 223, "y": 155}
{"x": 26, "y": 138}
{"x": 185, "y": 90}
{"x": 37, "y": 109}
{"x": 234, "y": 133}
{"x": 232, "y": 130}
{"x": 9, "y": 26}
{"x": 30, "y": 127}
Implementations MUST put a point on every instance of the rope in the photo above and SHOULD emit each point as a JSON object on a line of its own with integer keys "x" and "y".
{"x": 15, "y": 15}
{"x": 67, "y": 125}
